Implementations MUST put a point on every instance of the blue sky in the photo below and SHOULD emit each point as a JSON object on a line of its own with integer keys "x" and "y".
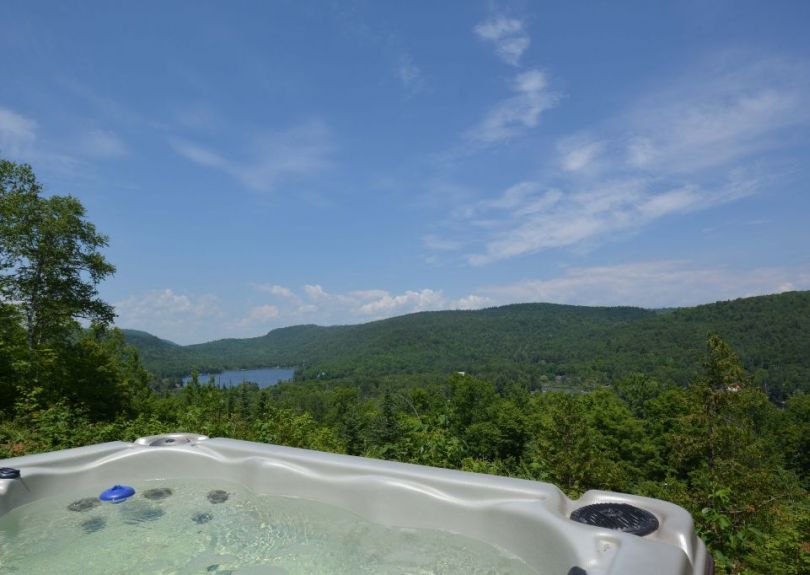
{"x": 261, "y": 164}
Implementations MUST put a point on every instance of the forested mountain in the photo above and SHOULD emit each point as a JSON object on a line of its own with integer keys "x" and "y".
{"x": 544, "y": 345}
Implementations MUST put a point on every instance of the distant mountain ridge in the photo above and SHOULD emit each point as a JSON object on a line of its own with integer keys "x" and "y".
{"x": 538, "y": 341}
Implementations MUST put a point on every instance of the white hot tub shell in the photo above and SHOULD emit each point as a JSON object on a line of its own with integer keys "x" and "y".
{"x": 527, "y": 518}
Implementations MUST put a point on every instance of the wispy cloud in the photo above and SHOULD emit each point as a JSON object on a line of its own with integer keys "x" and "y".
{"x": 277, "y": 290}
{"x": 259, "y": 316}
{"x": 651, "y": 284}
{"x": 71, "y": 156}
{"x": 20, "y": 141}
{"x": 17, "y": 133}
{"x": 673, "y": 152}
{"x": 508, "y": 35}
{"x": 198, "y": 116}
{"x": 300, "y": 151}
{"x": 530, "y": 92}
{"x": 360, "y": 305}
{"x": 518, "y": 113}
{"x": 102, "y": 144}
{"x": 199, "y": 155}
{"x": 173, "y": 315}
{"x": 579, "y": 153}
{"x": 433, "y": 242}
{"x": 549, "y": 218}
{"x": 387, "y": 304}
{"x": 317, "y": 293}
{"x": 411, "y": 76}
{"x": 472, "y": 301}
{"x": 381, "y": 40}
{"x": 728, "y": 110}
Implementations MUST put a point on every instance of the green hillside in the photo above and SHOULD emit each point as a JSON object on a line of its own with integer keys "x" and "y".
{"x": 542, "y": 344}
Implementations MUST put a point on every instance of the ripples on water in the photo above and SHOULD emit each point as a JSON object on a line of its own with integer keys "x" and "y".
{"x": 197, "y": 527}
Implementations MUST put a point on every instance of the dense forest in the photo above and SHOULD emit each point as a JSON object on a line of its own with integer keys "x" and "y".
{"x": 663, "y": 406}
{"x": 544, "y": 346}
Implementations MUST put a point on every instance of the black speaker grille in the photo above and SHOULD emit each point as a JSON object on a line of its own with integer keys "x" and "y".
{"x": 618, "y": 516}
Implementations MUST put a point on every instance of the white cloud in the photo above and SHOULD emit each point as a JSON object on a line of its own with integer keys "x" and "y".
{"x": 167, "y": 302}
{"x": 300, "y": 151}
{"x": 277, "y": 290}
{"x": 365, "y": 304}
{"x": 65, "y": 159}
{"x": 550, "y": 219}
{"x": 434, "y": 242}
{"x": 19, "y": 140}
{"x": 198, "y": 116}
{"x": 259, "y": 315}
{"x": 201, "y": 156}
{"x": 513, "y": 116}
{"x": 316, "y": 292}
{"x": 17, "y": 133}
{"x": 507, "y": 35}
{"x": 472, "y": 301}
{"x": 578, "y": 153}
{"x": 410, "y": 75}
{"x": 701, "y": 143}
{"x": 411, "y": 301}
{"x": 498, "y": 28}
{"x": 652, "y": 284}
{"x": 102, "y": 144}
{"x": 176, "y": 316}
{"x": 282, "y": 291}
{"x": 368, "y": 294}
{"x": 717, "y": 117}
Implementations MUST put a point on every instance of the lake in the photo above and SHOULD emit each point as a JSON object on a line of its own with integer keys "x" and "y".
{"x": 264, "y": 377}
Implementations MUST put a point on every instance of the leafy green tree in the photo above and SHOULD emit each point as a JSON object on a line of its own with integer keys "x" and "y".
{"x": 636, "y": 390}
{"x": 471, "y": 400}
{"x": 717, "y": 439}
{"x": 101, "y": 376}
{"x": 13, "y": 355}
{"x": 720, "y": 390}
{"x": 794, "y": 436}
{"x": 297, "y": 430}
{"x": 346, "y": 415}
{"x": 566, "y": 449}
{"x": 49, "y": 256}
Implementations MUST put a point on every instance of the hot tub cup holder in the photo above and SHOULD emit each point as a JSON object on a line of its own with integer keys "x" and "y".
{"x": 170, "y": 440}
{"x": 9, "y": 473}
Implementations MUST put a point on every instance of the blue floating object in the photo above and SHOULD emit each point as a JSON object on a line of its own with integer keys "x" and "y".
{"x": 117, "y": 493}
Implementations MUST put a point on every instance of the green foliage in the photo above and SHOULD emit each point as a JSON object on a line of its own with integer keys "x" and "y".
{"x": 566, "y": 449}
{"x": 718, "y": 530}
{"x": 285, "y": 427}
{"x": 13, "y": 354}
{"x": 794, "y": 436}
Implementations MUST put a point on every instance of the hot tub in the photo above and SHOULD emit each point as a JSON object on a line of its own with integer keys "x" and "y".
{"x": 524, "y": 526}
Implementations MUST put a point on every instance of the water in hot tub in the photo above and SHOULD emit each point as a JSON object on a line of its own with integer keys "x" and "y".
{"x": 173, "y": 527}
